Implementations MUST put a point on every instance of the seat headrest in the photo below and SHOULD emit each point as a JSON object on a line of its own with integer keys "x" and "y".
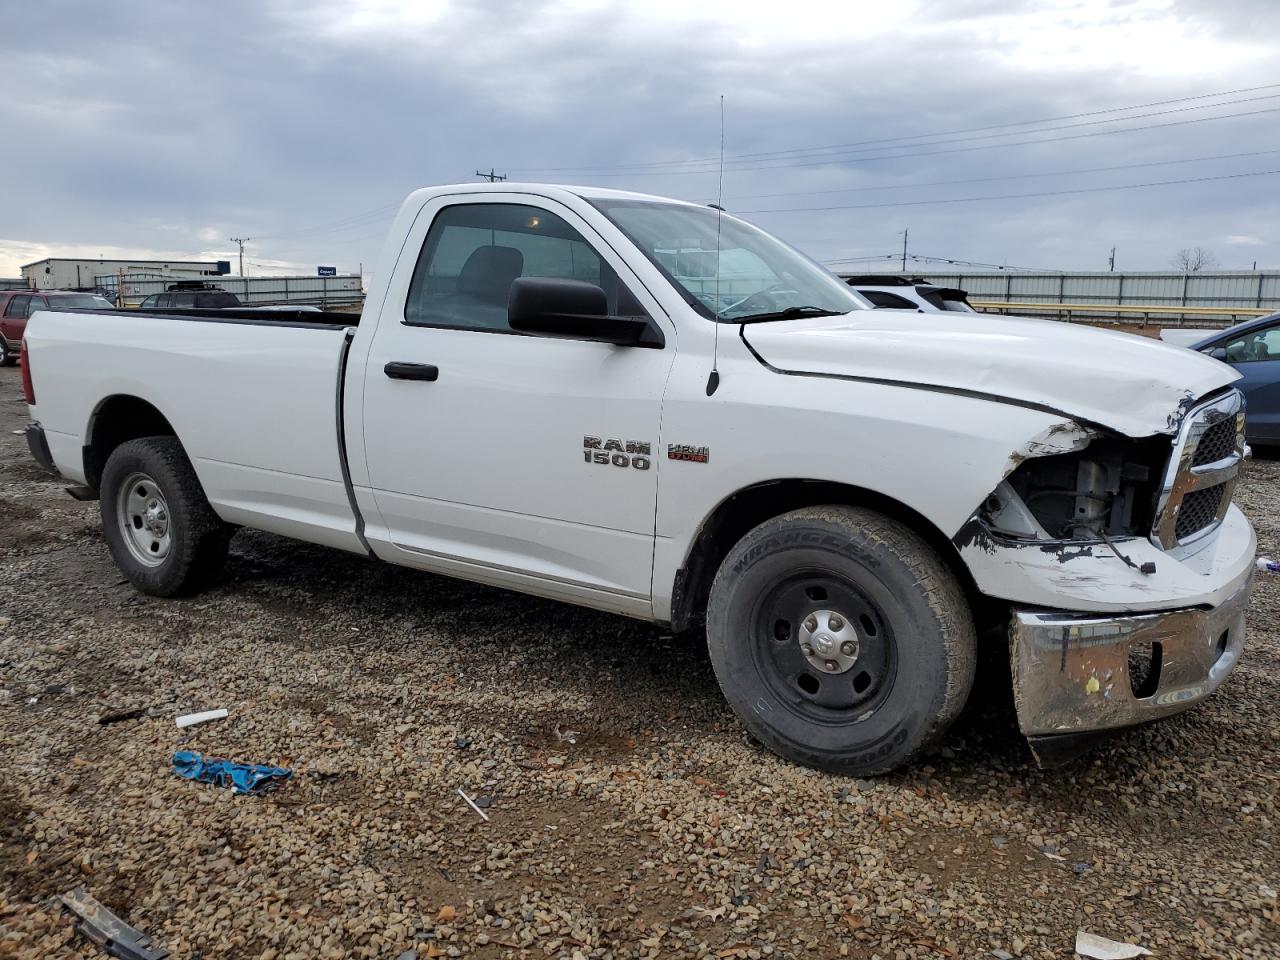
{"x": 490, "y": 271}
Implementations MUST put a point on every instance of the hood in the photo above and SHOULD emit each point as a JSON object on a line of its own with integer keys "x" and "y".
{"x": 1132, "y": 385}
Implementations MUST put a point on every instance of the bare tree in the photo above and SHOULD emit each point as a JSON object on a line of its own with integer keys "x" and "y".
{"x": 1193, "y": 259}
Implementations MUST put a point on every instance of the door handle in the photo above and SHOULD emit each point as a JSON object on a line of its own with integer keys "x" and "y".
{"x": 401, "y": 370}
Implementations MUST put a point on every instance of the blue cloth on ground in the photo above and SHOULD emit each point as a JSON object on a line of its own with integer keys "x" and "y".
{"x": 241, "y": 777}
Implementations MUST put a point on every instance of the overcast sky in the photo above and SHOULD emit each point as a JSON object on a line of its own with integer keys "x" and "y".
{"x": 160, "y": 129}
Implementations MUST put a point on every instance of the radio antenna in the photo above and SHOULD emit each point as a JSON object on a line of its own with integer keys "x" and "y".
{"x": 713, "y": 381}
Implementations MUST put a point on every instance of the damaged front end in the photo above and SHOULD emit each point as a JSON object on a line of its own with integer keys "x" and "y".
{"x": 1128, "y": 569}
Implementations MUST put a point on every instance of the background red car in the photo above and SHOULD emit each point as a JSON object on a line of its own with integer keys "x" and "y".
{"x": 17, "y": 305}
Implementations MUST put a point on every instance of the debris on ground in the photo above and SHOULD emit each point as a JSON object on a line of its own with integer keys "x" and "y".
{"x": 241, "y": 777}
{"x": 116, "y": 716}
{"x": 107, "y": 930}
{"x": 1267, "y": 565}
{"x": 471, "y": 803}
{"x": 191, "y": 719}
{"x": 1100, "y": 948}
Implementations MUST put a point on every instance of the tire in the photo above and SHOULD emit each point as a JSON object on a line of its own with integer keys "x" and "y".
{"x": 841, "y": 639}
{"x": 163, "y": 535}
{"x": 7, "y": 357}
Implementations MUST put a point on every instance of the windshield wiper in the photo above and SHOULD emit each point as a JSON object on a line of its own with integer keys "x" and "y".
{"x": 790, "y": 313}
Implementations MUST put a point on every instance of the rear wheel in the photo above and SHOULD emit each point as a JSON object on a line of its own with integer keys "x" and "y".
{"x": 841, "y": 639}
{"x": 7, "y": 358}
{"x": 162, "y": 532}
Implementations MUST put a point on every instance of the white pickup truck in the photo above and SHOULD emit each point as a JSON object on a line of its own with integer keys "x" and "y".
{"x": 557, "y": 390}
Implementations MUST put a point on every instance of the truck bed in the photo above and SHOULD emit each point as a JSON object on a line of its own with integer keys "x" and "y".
{"x": 255, "y": 396}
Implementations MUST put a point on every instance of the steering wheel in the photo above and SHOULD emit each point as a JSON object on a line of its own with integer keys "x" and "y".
{"x": 708, "y": 300}
{"x": 762, "y": 301}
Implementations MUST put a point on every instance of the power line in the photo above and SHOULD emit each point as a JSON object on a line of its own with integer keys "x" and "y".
{"x": 948, "y": 135}
{"x": 1015, "y": 196}
{"x": 1009, "y": 176}
{"x": 355, "y": 219}
{"x": 829, "y": 161}
{"x": 1023, "y": 123}
{"x": 881, "y": 256}
{"x": 941, "y": 141}
{"x": 954, "y": 261}
{"x": 369, "y": 216}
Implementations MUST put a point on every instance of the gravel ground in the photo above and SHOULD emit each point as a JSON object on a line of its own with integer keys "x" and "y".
{"x": 629, "y": 814}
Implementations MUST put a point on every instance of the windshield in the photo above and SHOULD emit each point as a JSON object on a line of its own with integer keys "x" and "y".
{"x": 85, "y": 302}
{"x": 755, "y": 276}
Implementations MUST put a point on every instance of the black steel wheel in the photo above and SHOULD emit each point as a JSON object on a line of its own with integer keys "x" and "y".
{"x": 841, "y": 639}
{"x": 824, "y": 645}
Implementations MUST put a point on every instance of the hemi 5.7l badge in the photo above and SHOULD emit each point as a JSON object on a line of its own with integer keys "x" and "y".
{"x": 633, "y": 453}
{"x": 683, "y": 451}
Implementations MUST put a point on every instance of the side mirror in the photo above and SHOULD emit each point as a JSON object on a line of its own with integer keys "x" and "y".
{"x": 576, "y": 309}
{"x": 1219, "y": 353}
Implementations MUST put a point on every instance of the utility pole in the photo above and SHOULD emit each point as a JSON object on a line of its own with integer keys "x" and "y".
{"x": 490, "y": 176}
{"x": 241, "y": 241}
{"x": 1111, "y": 261}
{"x": 904, "y": 248}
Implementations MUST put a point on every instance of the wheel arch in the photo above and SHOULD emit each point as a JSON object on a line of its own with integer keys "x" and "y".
{"x": 741, "y": 511}
{"x": 116, "y": 420}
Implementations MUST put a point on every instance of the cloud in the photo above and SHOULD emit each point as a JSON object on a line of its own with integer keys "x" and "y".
{"x": 1240, "y": 240}
{"x": 156, "y": 127}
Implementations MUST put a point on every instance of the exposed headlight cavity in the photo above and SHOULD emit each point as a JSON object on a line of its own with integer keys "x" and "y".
{"x": 1107, "y": 489}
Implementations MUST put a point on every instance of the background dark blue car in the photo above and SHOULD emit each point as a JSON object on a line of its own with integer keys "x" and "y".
{"x": 1253, "y": 348}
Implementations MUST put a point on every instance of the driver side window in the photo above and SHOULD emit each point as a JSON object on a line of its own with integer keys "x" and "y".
{"x": 474, "y": 252}
{"x": 1255, "y": 346}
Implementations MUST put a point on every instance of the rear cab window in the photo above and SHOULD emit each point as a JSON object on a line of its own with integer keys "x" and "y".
{"x": 217, "y": 300}
{"x": 81, "y": 302}
{"x": 889, "y": 301}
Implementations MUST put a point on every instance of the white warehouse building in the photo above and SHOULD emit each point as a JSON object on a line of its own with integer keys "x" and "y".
{"x": 61, "y": 273}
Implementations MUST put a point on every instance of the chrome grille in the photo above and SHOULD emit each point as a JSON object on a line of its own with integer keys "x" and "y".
{"x": 1199, "y": 510}
{"x": 1216, "y": 443}
{"x": 1202, "y": 472}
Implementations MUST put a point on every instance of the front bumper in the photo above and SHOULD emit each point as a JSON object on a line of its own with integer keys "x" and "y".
{"x": 1083, "y": 673}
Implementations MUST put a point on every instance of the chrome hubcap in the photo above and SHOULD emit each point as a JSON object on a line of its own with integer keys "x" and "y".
{"x": 829, "y": 641}
{"x": 143, "y": 516}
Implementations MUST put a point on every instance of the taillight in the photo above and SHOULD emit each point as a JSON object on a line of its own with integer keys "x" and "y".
{"x": 28, "y": 388}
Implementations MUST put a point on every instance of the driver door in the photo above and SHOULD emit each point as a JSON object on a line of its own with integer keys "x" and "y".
{"x": 516, "y": 459}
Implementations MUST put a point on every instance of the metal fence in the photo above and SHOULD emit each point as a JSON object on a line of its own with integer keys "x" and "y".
{"x": 1247, "y": 289}
{"x": 319, "y": 291}
{"x": 13, "y": 283}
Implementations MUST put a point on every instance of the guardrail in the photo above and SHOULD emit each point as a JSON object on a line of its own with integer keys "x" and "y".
{"x": 1118, "y": 312}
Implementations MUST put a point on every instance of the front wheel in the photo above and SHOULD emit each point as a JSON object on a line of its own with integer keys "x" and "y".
{"x": 7, "y": 359}
{"x": 162, "y": 532}
{"x": 841, "y": 639}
